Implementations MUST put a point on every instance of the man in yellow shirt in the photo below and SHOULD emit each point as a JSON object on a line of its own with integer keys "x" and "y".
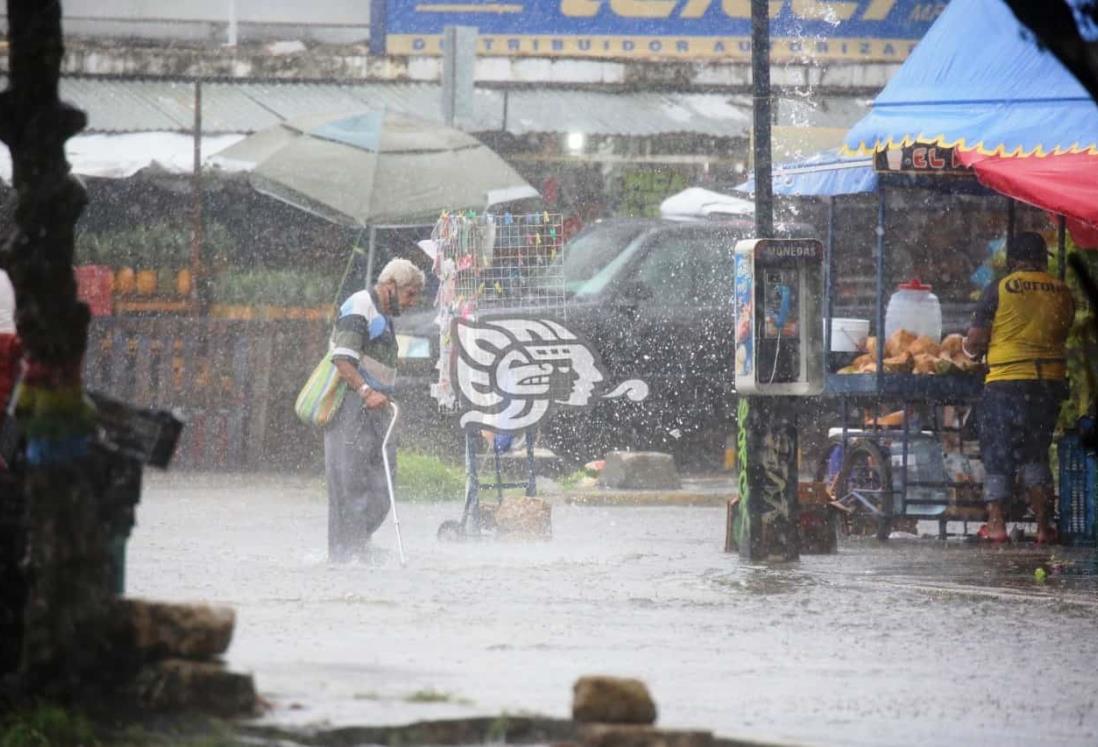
{"x": 1021, "y": 323}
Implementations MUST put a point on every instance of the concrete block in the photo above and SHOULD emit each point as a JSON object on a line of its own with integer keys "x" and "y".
{"x": 640, "y": 470}
{"x": 197, "y": 686}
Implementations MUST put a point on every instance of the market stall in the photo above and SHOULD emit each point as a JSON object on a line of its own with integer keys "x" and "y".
{"x": 958, "y": 118}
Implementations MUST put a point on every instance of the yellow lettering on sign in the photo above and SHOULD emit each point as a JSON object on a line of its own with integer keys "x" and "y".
{"x": 581, "y": 8}
{"x": 742, "y": 8}
{"x": 878, "y": 10}
{"x": 824, "y": 10}
{"x": 695, "y": 8}
{"x": 643, "y": 8}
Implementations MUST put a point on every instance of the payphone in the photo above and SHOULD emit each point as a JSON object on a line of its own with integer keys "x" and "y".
{"x": 777, "y": 302}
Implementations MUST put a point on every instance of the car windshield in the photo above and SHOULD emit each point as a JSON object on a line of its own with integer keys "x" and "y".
{"x": 593, "y": 250}
{"x": 599, "y": 281}
{"x": 699, "y": 261}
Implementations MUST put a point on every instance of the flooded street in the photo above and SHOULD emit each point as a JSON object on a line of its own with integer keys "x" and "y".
{"x": 909, "y": 644}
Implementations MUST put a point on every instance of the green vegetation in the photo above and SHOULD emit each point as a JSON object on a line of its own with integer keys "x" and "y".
{"x": 497, "y": 730}
{"x": 420, "y": 477}
{"x": 50, "y": 725}
{"x": 153, "y": 246}
{"x": 275, "y": 287}
{"x": 572, "y": 480}
{"x": 46, "y": 725}
{"x": 1082, "y": 345}
{"x": 431, "y": 695}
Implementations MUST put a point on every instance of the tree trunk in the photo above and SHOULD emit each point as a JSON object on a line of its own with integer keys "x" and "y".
{"x": 66, "y": 545}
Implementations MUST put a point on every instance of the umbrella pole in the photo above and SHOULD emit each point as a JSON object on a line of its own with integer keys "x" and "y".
{"x": 347, "y": 268}
{"x": 370, "y": 256}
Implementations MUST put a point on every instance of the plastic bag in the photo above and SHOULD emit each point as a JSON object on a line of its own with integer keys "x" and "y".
{"x": 320, "y": 398}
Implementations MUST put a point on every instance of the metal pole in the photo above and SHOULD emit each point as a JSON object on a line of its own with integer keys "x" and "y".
{"x": 760, "y": 80}
{"x": 1061, "y": 246}
{"x": 765, "y": 523}
{"x": 1011, "y": 218}
{"x": 389, "y": 480}
{"x": 198, "y": 283}
{"x": 531, "y": 471}
{"x": 829, "y": 277}
{"x": 370, "y": 257}
{"x": 880, "y": 258}
{"x": 232, "y": 29}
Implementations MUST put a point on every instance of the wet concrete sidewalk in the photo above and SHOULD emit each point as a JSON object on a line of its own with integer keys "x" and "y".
{"x": 912, "y": 643}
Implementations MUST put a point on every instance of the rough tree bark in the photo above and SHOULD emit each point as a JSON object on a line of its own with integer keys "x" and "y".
{"x": 66, "y": 551}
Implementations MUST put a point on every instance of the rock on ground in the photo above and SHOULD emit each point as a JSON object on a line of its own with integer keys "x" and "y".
{"x": 189, "y": 631}
{"x": 612, "y": 700}
{"x": 640, "y": 470}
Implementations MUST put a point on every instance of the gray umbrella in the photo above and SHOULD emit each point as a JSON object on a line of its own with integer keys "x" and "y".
{"x": 374, "y": 167}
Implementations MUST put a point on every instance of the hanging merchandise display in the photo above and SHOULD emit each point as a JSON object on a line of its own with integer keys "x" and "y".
{"x": 490, "y": 262}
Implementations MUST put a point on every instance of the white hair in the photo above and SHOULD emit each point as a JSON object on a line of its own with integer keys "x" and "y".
{"x": 403, "y": 273}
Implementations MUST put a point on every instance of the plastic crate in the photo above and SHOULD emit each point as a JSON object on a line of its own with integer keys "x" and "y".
{"x": 93, "y": 287}
{"x": 1078, "y": 486}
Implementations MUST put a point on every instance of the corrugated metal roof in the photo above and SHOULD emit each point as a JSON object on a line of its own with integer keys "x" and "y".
{"x": 227, "y": 107}
{"x": 290, "y": 100}
{"x": 131, "y": 105}
{"x": 636, "y": 114}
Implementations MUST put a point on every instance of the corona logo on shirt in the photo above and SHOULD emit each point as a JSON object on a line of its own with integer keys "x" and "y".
{"x": 512, "y": 372}
{"x": 1017, "y": 285}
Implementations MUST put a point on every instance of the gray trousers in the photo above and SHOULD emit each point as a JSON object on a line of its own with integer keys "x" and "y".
{"x": 358, "y": 498}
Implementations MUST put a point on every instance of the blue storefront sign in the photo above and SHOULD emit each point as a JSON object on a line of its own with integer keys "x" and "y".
{"x": 855, "y": 30}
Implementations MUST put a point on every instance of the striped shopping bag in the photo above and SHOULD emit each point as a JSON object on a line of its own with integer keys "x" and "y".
{"x": 320, "y": 398}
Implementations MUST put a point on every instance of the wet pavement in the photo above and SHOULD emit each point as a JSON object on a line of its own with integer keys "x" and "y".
{"x": 911, "y": 643}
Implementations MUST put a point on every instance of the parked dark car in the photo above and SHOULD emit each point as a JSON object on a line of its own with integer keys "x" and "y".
{"x": 652, "y": 298}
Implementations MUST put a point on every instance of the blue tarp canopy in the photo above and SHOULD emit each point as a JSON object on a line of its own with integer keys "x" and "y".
{"x": 831, "y": 174}
{"x": 977, "y": 81}
{"x": 825, "y": 174}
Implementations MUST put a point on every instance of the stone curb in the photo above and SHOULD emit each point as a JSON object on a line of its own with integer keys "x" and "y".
{"x": 525, "y": 730}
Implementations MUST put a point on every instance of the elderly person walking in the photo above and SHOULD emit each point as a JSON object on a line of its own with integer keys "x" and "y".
{"x": 364, "y": 351}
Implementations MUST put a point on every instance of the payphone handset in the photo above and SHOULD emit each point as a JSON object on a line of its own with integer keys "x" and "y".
{"x": 779, "y": 339}
{"x": 780, "y": 297}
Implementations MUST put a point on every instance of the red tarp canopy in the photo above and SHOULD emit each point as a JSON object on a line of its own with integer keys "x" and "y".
{"x": 1065, "y": 184}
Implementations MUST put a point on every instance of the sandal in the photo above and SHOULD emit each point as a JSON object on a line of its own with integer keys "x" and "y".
{"x": 1051, "y": 538}
{"x": 983, "y": 535}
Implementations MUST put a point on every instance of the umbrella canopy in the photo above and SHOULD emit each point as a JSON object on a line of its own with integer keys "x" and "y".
{"x": 372, "y": 167}
{"x": 697, "y": 203}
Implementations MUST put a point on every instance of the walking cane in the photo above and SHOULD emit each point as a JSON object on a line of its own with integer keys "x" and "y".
{"x": 389, "y": 478}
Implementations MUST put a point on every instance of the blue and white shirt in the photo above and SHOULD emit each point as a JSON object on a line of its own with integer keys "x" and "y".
{"x": 364, "y": 336}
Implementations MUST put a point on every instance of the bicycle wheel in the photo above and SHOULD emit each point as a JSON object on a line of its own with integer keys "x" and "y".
{"x": 864, "y": 486}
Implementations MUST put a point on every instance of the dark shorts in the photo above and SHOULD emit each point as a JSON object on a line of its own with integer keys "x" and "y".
{"x": 1016, "y": 421}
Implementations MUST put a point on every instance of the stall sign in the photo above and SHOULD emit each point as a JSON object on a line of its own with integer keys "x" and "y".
{"x": 816, "y": 30}
{"x": 921, "y": 158}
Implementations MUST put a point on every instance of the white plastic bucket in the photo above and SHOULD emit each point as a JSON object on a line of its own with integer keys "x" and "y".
{"x": 848, "y": 335}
